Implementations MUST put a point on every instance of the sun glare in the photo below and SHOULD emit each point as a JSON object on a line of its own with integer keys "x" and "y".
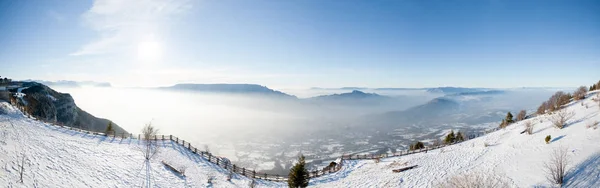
{"x": 148, "y": 51}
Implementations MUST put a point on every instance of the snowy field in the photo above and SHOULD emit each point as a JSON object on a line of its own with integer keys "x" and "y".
{"x": 57, "y": 157}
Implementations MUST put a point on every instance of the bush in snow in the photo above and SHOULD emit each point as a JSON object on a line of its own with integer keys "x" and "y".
{"x": 547, "y": 139}
{"x": 542, "y": 108}
{"x": 580, "y": 93}
{"x": 521, "y": 116}
{"x": 298, "y": 176}
{"x": 417, "y": 146}
{"x": 509, "y": 118}
{"x": 459, "y": 137}
{"x": 556, "y": 168}
{"x": 592, "y": 125}
{"x": 557, "y": 100}
{"x": 529, "y": 127}
{"x": 559, "y": 120}
{"x": 450, "y": 138}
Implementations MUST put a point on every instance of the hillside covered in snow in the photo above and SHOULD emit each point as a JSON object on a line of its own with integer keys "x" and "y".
{"x": 58, "y": 157}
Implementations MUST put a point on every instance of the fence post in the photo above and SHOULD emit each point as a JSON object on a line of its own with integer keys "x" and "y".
{"x": 189, "y": 145}
{"x": 177, "y": 140}
{"x": 195, "y": 150}
{"x": 139, "y": 137}
{"x": 163, "y": 137}
{"x": 171, "y": 137}
{"x": 253, "y": 173}
{"x": 244, "y": 171}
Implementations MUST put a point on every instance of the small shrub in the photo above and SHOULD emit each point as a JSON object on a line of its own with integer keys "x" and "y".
{"x": 548, "y": 138}
{"x": 450, "y": 138}
{"x": 560, "y": 119}
{"x": 521, "y": 115}
{"x": 592, "y": 125}
{"x": 417, "y": 146}
{"x": 580, "y": 93}
{"x": 529, "y": 127}
{"x": 459, "y": 137}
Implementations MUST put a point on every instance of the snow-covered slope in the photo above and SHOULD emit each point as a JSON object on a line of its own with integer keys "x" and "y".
{"x": 58, "y": 157}
{"x": 514, "y": 158}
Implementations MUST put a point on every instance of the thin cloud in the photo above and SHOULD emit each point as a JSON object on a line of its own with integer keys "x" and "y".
{"x": 120, "y": 23}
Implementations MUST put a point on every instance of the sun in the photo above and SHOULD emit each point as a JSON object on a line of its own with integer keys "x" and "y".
{"x": 149, "y": 51}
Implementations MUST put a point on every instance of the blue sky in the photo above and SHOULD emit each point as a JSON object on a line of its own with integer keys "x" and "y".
{"x": 301, "y": 44}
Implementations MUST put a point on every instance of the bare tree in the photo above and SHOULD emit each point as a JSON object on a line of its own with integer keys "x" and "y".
{"x": 542, "y": 109}
{"x": 556, "y": 168}
{"x": 150, "y": 146}
{"x": 580, "y": 93}
{"x": 149, "y": 149}
{"x": 529, "y": 127}
{"x": 474, "y": 180}
{"x": 557, "y": 100}
{"x": 559, "y": 120}
{"x": 521, "y": 116}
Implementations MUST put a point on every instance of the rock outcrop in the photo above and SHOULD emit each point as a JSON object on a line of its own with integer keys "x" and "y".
{"x": 48, "y": 105}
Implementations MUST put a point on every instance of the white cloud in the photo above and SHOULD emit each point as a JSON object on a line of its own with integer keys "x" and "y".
{"x": 122, "y": 23}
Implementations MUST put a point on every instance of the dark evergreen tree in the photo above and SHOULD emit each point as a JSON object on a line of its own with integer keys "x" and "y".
{"x": 450, "y": 138}
{"x": 298, "y": 176}
{"x": 509, "y": 118}
{"x": 109, "y": 128}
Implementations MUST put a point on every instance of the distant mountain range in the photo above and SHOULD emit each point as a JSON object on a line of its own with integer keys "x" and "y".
{"x": 352, "y": 98}
{"x": 442, "y": 90}
{"x": 229, "y": 88}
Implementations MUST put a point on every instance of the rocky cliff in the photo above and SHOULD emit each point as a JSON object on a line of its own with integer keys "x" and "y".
{"x": 48, "y": 105}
